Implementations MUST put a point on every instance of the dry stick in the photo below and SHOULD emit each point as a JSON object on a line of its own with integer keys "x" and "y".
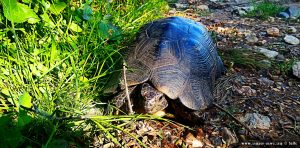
{"x": 236, "y": 120}
{"x": 126, "y": 89}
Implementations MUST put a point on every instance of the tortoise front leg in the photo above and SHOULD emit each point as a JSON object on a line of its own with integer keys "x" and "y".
{"x": 120, "y": 99}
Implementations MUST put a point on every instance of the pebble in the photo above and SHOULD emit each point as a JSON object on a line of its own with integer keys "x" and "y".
{"x": 266, "y": 81}
{"x": 280, "y": 58}
{"x": 271, "y": 19}
{"x": 291, "y": 29}
{"x": 181, "y": 6}
{"x": 273, "y": 31}
{"x": 255, "y": 120}
{"x": 291, "y": 40}
{"x": 245, "y": 91}
{"x": 229, "y": 137}
{"x": 202, "y": 8}
{"x": 268, "y": 53}
{"x": 296, "y": 69}
{"x": 172, "y": 11}
{"x": 252, "y": 39}
{"x": 243, "y": 10}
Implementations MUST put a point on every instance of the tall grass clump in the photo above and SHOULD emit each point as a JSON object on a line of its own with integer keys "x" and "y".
{"x": 55, "y": 60}
{"x": 264, "y": 9}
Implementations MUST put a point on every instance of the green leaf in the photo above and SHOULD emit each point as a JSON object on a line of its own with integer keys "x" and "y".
{"x": 57, "y": 8}
{"x": 54, "y": 53}
{"x": 108, "y": 31}
{"x": 46, "y": 19}
{"x": 25, "y": 100}
{"x": 87, "y": 12}
{"x": 24, "y": 118}
{"x": 10, "y": 135}
{"x": 75, "y": 27}
{"x": 17, "y": 12}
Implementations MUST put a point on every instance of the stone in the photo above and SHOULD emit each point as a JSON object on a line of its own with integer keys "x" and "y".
{"x": 271, "y": 19}
{"x": 243, "y": 10}
{"x": 268, "y": 53}
{"x": 252, "y": 39}
{"x": 255, "y": 120}
{"x": 296, "y": 69}
{"x": 262, "y": 42}
{"x": 245, "y": 91}
{"x": 172, "y": 11}
{"x": 273, "y": 31}
{"x": 181, "y": 6}
{"x": 293, "y": 11}
{"x": 202, "y": 8}
{"x": 190, "y": 139}
{"x": 291, "y": 29}
{"x": 283, "y": 15}
{"x": 291, "y": 40}
{"x": 280, "y": 58}
{"x": 265, "y": 81}
{"x": 229, "y": 137}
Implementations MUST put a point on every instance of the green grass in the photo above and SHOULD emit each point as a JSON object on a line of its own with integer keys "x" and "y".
{"x": 285, "y": 67}
{"x": 54, "y": 68}
{"x": 244, "y": 58}
{"x": 265, "y": 9}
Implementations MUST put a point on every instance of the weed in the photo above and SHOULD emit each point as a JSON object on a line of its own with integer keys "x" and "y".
{"x": 244, "y": 58}
{"x": 285, "y": 68}
{"x": 263, "y": 10}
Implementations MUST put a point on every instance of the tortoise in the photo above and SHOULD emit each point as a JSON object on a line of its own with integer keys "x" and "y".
{"x": 173, "y": 58}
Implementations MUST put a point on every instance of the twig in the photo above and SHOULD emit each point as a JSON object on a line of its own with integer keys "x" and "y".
{"x": 237, "y": 120}
{"x": 126, "y": 89}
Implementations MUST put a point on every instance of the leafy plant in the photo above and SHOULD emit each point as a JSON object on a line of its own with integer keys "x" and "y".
{"x": 55, "y": 59}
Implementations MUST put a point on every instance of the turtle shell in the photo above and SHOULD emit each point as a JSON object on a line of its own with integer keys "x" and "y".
{"x": 178, "y": 56}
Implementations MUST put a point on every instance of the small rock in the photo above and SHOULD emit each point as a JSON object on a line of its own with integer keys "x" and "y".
{"x": 296, "y": 69}
{"x": 245, "y": 90}
{"x": 172, "y": 11}
{"x": 251, "y": 39}
{"x": 291, "y": 29}
{"x": 280, "y": 58}
{"x": 266, "y": 81}
{"x": 291, "y": 40}
{"x": 293, "y": 11}
{"x": 217, "y": 141}
{"x": 283, "y": 15}
{"x": 255, "y": 120}
{"x": 181, "y": 6}
{"x": 271, "y": 19}
{"x": 248, "y": 8}
{"x": 273, "y": 31}
{"x": 243, "y": 10}
{"x": 229, "y": 137}
{"x": 244, "y": 32}
{"x": 268, "y": 53}
{"x": 202, "y": 8}
{"x": 190, "y": 139}
{"x": 262, "y": 42}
